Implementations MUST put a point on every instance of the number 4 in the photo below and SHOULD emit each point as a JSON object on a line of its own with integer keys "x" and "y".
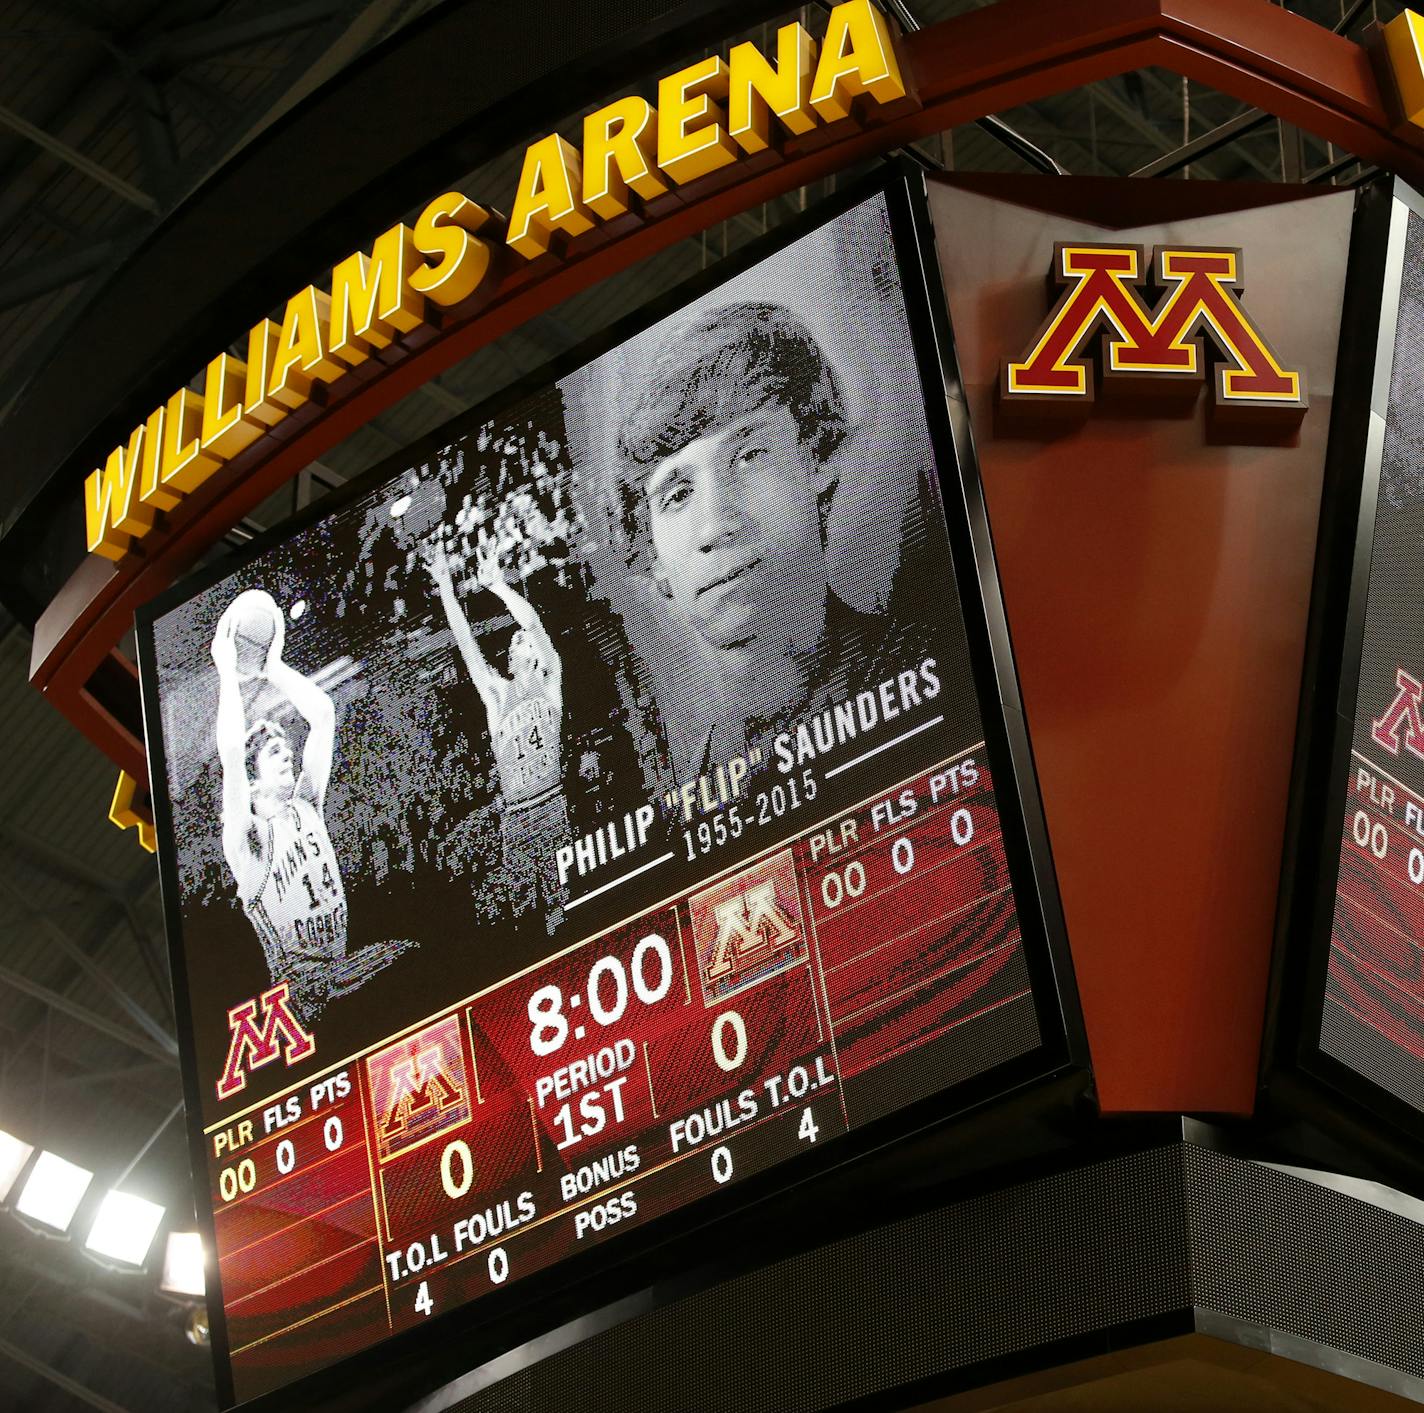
{"x": 423, "y": 1302}
{"x": 808, "y": 1129}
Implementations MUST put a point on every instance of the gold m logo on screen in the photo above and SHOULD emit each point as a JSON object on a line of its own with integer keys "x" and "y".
{"x": 748, "y": 927}
{"x": 1155, "y": 352}
{"x": 419, "y": 1087}
{"x": 253, "y": 1045}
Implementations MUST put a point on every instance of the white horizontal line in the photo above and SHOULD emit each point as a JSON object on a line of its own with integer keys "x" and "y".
{"x": 614, "y": 882}
{"x": 885, "y": 745}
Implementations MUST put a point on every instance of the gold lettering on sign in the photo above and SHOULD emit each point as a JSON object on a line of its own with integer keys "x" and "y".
{"x": 708, "y": 115}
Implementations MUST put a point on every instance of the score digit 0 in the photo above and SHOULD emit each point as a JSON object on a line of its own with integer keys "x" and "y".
{"x": 242, "y": 1178}
{"x": 729, "y": 1060}
{"x": 1374, "y": 837}
{"x": 838, "y": 884}
{"x": 457, "y": 1169}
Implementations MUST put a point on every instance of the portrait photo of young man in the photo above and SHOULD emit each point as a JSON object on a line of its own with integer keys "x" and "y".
{"x": 729, "y": 474}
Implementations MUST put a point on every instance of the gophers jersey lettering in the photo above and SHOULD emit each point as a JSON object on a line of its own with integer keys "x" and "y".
{"x": 300, "y": 909}
{"x": 526, "y": 749}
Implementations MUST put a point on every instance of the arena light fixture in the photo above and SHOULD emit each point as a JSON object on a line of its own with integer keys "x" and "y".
{"x": 14, "y": 1154}
{"x": 183, "y": 1266}
{"x": 123, "y": 1230}
{"x": 53, "y": 1191}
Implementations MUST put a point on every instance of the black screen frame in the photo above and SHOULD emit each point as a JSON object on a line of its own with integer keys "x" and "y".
{"x": 544, "y": 1298}
{"x": 1296, "y": 1071}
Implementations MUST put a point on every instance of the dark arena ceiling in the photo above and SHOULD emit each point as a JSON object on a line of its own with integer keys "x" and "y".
{"x": 111, "y": 113}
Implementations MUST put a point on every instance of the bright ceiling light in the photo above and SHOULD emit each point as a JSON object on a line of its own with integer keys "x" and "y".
{"x": 53, "y": 1191}
{"x": 124, "y": 1228}
{"x": 183, "y": 1265}
{"x": 13, "y": 1157}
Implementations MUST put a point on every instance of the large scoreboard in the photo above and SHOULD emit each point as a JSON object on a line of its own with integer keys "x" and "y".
{"x": 1353, "y": 903}
{"x": 620, "y": 794}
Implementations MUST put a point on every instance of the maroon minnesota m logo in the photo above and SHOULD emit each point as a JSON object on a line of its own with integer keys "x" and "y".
{"x": 253, "y": 1045}
{"x": 1157, "y": 348}
{"x": 1402, "y": 724}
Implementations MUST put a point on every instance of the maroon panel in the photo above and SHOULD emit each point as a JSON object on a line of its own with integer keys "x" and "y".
{"x": 1157, "y": 590}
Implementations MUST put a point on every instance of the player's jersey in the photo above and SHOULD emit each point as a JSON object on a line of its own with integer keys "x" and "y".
{"x": 299, "y": 910}
{"x": 526, "y": 748}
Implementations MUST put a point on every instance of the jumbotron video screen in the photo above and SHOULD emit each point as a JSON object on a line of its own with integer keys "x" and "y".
{"x": 594, "y": 809}
{"x": 1373, "y": 1018}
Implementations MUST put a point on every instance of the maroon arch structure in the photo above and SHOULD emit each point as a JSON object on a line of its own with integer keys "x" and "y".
{"x": 962, "y": 69}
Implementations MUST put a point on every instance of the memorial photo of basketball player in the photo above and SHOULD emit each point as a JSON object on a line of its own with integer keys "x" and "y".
{"x": 525, "y": 711}
{"x": 274, "y": 833}
{"x": 462, "y": 703}
{"x": 727, "y": 480}
{"x": 769, "y": 486}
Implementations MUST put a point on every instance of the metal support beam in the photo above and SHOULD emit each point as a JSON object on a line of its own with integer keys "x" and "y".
{"x": 85, "y": 1016}
{"x": 71, "y": 1386}
{"x": 1152, "y": 80}
{"x": 153, "y": 126}
{"x": 1289, "y": 137}
{"x": 1019, "y": 145}
{"x": 996, "y": 127}
{"x": 44, "y": 276}
{"x": 148, "y": 1143}
{"x": 1351, "y": 15}
{"x": 12, "y": 120}
{"x": 1148, "y": 129}
{"x": 193, "y": 43}
{"x": 58, "y": 864}
{"x": 154, "y": 964}
{"x": 1337, "y": 168}
{"x": 210, "y": 106}
{"x": 75, "y": 952}
{"x": 127, "y": 1075}
{"x": 1207, "y": 143}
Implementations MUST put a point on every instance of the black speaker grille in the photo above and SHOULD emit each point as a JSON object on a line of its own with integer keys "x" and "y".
{"x": 1287, "y": 1254}
{"x": 1074, "y": 1261}
{"x": 982, "y": 1279}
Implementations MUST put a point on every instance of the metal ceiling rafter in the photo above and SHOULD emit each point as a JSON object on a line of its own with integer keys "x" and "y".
{"x": 1154, "y": 81}
{"x": 209, "y": 105}
{"x": 57, "y": 1002}
{"x": 125, "y": 1075}
{"x": 324, "y": 36}
{"x": 152, "y": 121}
{"x": 66, "y": 944}
{"x": 93, "y": 170}
{"x": 1141, "y": 124}
{"x": 1220, "y": 136}
{"x": 87, "y": 1308}
{"x": 71, "y": 1386}
{"x": 192, "y": 44}
{"x": 1124, "y": 111}
{"x": 47, "y": 275}
{"x": 58, "y": 864}
{"x": 1247, "y": 122}
{"x": 151, "y": 954}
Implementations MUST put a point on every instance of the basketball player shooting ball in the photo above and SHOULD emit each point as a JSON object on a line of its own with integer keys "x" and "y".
{"x": 525, "y": 712}
{"x": 273, "y": 814}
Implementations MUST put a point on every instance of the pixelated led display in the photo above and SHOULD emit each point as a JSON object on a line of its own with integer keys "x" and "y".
{"x": 1373, "y": 1018}
{"x": 593, "y": 810}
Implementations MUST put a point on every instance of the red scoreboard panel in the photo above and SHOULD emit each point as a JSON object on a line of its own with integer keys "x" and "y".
{"x": 1353, "y": 921}
{"x": 621, "y": 794}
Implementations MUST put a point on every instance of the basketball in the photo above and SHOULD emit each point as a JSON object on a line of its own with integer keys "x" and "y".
{"x": 421, "y": 509}
{"x": 255, "y": 625}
